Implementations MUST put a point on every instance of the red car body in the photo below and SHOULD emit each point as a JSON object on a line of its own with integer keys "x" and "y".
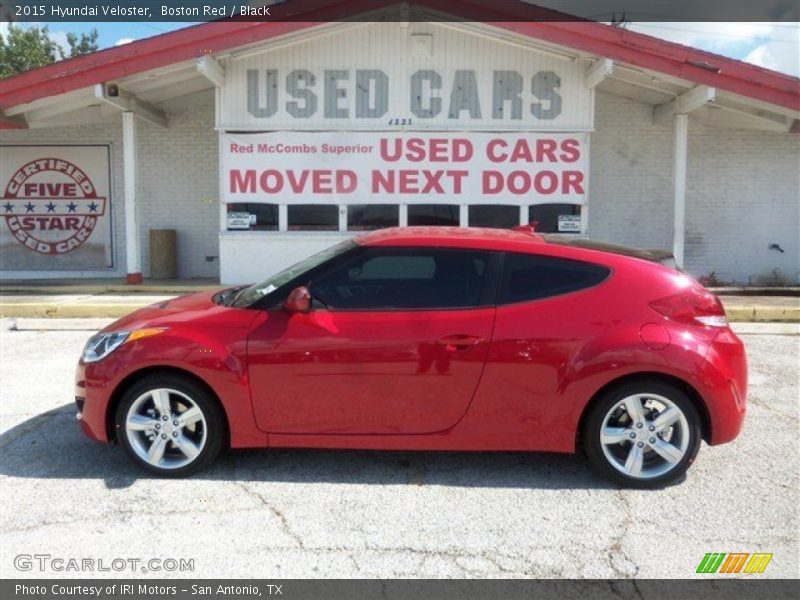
{"x": 512, "y": 377}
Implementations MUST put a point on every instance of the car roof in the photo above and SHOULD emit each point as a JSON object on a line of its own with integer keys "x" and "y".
{"x": 463, "y": 237}
{"x": 517, "y": 240}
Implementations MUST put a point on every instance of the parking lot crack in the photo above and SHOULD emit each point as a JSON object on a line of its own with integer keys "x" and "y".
{"x": 279, "y": 514}
{"x": 618, "y": 560}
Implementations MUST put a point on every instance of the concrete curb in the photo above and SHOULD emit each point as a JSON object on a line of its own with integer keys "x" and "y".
{"x": 79, "y": 324}
{"x": 67, "y": 311}
{"x": 122, "y": 289}
{"x": 763, "y": 314}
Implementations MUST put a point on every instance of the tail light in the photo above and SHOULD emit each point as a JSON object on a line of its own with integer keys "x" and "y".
{"x": 693, "y": 306}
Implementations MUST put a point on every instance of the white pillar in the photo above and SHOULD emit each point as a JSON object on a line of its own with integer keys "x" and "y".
{"x": 586, "y": 187}
{"x": 403, "y": 216}
{"x": 283, "y": 217}
{"x": 681, "y": 134}
{"x": 132, "y": 246}
{"x": 223, "y": 207}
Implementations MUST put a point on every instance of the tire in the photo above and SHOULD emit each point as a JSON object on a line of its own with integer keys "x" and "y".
{"x": 636, "y": 456}
{"x": 188, "y": 441}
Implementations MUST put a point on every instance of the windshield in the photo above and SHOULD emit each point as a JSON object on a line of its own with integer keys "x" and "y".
{"x": 255, "y": 292}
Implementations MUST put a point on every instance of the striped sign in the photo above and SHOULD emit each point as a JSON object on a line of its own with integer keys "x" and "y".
{"x": 734, "y": 562}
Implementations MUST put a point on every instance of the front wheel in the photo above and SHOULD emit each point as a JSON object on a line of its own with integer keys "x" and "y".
{"x": 169, "y": 425}
{"x": 644, "y": 434}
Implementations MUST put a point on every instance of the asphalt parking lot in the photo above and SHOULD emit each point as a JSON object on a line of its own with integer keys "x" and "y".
{"x": 297, "y": 513}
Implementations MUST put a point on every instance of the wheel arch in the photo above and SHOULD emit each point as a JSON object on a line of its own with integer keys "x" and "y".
{"x": 688, "y": 389}
{"x": 131, "y": 379}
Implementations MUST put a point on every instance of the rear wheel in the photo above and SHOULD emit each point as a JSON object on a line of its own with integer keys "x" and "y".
{"x": 643, "y": 434}
{"x": 170, "y": 425}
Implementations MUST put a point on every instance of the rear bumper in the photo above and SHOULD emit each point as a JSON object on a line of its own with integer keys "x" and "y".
{"x": 722, "y": 381}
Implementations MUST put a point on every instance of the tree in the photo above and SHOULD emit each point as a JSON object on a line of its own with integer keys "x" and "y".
{"x": 26, "y": 48}
{"x": 31, "y": 47}
{"x": 85, "y": 45}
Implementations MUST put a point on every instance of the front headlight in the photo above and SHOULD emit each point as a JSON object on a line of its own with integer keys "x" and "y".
{"x": 103, "y": 344}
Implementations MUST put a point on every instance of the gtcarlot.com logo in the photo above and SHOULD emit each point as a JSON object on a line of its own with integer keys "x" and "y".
{"x": 48, "y": 562}
{"x": 734, "y": 562}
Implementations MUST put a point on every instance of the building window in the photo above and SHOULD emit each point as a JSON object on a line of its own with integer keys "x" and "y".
{"x": 253, "y": 217}
{"x": 493, "y": 215}
{"x": 313, "y": 217}
{"x": 433, "y": 214}
{"x": 363, "y": 217}
{"x": 547, "y": 218}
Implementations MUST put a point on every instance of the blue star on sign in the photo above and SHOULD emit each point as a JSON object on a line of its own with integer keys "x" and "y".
{"x": 51, "y": 207}
{"x": 29, "y": 207}
{"x": 9, "y": 207}
{"x": 72, "y": 206}
{"x": 92, "y": 207}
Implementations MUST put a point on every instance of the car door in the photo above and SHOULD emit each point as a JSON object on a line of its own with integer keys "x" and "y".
{"x": 396, "y": 345}
{"x": 549, "y": 312}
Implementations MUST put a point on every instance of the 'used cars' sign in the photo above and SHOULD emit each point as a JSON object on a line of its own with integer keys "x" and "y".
{"x": 380, "y": 167}
{"x": 381, "y": 76}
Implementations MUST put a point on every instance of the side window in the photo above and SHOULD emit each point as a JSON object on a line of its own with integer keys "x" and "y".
{"x": 530, "y": 277}
{"x": 398, "y": 279}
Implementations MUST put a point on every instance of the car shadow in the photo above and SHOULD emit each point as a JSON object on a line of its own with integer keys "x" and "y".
{"x": 50, "y": 445}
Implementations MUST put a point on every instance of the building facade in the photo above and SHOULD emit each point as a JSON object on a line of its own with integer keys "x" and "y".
{"x": 262, "y": 143}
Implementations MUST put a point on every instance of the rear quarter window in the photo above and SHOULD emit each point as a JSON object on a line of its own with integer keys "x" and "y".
{"x": 532, "y": 277}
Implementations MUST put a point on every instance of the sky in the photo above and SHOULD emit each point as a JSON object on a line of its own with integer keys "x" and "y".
{"x": 772, "y": 45}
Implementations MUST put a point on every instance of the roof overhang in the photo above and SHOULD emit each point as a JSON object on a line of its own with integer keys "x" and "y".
{"x": 153, "y": 74}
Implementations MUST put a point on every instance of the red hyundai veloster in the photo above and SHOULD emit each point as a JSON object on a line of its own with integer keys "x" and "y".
{"x": 429, "y": 339}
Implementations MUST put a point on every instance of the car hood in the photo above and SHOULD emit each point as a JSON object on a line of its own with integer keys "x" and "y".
{"x": 182, "y": 309}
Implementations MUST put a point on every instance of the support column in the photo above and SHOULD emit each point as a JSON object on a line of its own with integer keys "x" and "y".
{"x": 132, "y": 242}
{"x": 679, "y": 171}
{"x": 403, "y": 216}
{"x": 283, "y": 217}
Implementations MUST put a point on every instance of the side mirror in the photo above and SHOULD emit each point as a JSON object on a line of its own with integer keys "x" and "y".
{"x": 298, "y": 300}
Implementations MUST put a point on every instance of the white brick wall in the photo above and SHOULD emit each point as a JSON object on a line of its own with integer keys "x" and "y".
{"x": 743, "y": 189}
{"x": 180, "y": 187}
{"x": 742, "y": 192}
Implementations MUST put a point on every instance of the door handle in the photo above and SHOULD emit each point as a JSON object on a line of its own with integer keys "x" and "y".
{"x": 460, "y": 342}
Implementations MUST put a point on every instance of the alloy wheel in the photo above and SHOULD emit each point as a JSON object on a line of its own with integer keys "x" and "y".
{"x": 166, "y": 428}
{"x": 645, "y": 436}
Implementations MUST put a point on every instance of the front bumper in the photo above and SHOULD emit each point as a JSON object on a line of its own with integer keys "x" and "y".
{"x": 91, "y": 403}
